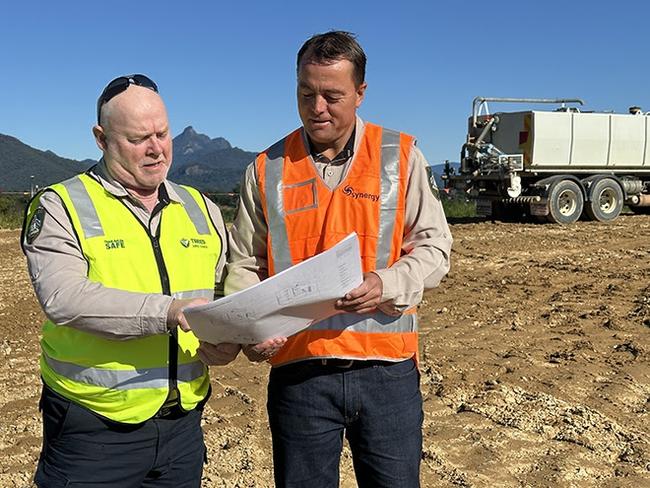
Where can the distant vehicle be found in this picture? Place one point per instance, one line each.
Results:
(555, 165)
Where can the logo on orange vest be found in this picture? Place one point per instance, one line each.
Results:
(351, 192)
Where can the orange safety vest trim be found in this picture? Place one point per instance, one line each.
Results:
(305, 217)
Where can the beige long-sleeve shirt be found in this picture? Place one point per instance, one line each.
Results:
(426, 245)
(58, 272)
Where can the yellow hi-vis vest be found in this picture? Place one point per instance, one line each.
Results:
(129, 380)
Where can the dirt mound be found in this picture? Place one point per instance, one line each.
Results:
(534, 366)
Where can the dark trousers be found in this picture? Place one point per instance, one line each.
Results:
(377, 406)
(81, 449)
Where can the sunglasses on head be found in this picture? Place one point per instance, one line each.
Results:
(120, 84)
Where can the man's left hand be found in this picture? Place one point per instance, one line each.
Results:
(365, 298)
(218, 354)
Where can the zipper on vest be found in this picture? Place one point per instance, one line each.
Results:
(163, 201)
(173, 333)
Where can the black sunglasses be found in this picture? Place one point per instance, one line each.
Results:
(120, 84)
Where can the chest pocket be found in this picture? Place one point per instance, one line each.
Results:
(300, 196)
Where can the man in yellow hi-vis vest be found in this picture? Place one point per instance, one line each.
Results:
(354, 374)
(115, 254)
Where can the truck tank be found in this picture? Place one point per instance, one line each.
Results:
(555, 165)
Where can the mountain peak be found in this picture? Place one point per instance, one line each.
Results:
(191, 146)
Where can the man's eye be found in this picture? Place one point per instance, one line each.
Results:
(162, 135)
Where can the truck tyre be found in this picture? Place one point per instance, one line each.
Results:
(565, 202)
(605, 200)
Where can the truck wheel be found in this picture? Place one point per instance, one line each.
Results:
(605, 200)
(565, 202)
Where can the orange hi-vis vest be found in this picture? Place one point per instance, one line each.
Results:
(305, 217)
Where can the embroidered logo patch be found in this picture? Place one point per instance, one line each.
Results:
(35, 225)
(434, 187)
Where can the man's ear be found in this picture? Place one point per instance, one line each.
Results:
(361, 92)
(100, 137)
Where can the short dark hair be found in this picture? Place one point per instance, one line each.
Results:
(333, 46)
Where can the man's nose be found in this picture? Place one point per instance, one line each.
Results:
(155, 147)
(320, 104)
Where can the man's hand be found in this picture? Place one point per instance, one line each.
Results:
(175, 313)
(264, 350)
(365, 298)
(217, 354)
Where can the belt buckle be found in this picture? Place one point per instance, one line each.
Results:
(345, 365)
(165, 411)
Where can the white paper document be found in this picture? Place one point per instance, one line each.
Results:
(283, 304)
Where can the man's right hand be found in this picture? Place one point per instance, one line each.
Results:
(265, 350)
(175, 316)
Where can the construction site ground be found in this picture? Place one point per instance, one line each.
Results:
(534, 366)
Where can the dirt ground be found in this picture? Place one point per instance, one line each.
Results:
(534, 365)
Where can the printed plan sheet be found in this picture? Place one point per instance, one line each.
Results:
(283, 304)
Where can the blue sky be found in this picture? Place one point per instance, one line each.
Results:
(228, 68)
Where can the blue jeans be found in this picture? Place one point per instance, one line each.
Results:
(85, 450)
(376, 405)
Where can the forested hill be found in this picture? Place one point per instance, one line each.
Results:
(207, 164)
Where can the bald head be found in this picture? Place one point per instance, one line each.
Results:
(134, 137)
(135, 103)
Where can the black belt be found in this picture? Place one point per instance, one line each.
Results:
(170, 412)
(347, 363)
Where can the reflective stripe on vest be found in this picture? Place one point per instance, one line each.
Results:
(286, 167)
(377, 322)
(124, 379)
(273, 189)
(89, 220)
(128, 380)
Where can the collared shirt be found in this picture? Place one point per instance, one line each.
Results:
(325, 164)
(58, 270)
(426, 244)
(331, 170)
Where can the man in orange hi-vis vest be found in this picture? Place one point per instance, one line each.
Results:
(355, 374)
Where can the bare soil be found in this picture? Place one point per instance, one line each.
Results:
(534, 361)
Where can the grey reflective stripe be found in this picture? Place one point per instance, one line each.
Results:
(121, 379)
(207, 293)
(83, 204)
(193, 210)
(389, 193)
(377, 322)
(190, 371)
(275, 207)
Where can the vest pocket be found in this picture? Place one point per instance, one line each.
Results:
(300, 196)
